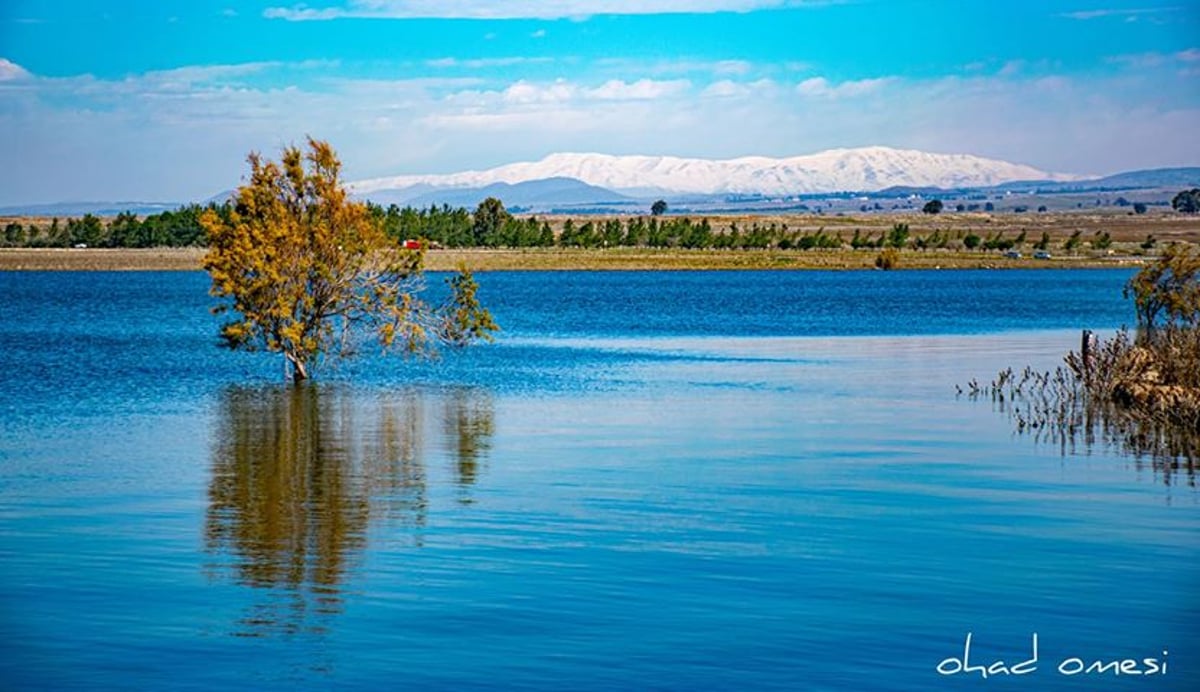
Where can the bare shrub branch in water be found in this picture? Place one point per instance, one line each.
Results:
(1112, 402)
(1139, 395)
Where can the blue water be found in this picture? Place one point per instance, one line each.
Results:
(650, 481)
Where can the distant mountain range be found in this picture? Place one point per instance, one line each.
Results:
(852, 170)
(533, 194)
(1155, 178)
(67, 209)
(583, 182)
(579, 182)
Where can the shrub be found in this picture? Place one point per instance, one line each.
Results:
(888, 259)
(1141, 393)
(1167, 291)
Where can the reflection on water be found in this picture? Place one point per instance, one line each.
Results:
(299, 474)
(468, 424)
(1056, 409)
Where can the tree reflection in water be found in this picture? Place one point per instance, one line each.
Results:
(468, 424)
(1055, 408)
(300, 473)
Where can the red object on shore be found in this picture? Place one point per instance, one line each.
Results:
(412, 245)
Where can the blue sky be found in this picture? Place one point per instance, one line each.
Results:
(162, 100)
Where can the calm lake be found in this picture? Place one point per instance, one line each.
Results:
(692, 481)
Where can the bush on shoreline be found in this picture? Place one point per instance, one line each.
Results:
(1140, 392)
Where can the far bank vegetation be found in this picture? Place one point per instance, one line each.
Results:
(491, 226)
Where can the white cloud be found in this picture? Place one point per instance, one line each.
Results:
(142, 127)
(1139, 60)
(524, 92)
(1092, 126)
(813, 86)
(643, 89)
(1052, 83)
(471, 123)
(484, 63)
(725, 89)
(518, 9)
(1125, 14)
(10, 71)
(729, 89)
(675, 68)
(562, 91)
(819, 87)
(205, 74)
(1150, 60)
(300, 13)
(1011, 68)
(732, 67)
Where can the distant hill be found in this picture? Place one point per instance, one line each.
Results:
(536, 194)
(68, 209)
(221, 197)
(1149, 179)
(1153, 178)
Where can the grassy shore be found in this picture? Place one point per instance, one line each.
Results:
(557, 259)
(71, 259)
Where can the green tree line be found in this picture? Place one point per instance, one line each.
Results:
(178, 228)
(492, 226)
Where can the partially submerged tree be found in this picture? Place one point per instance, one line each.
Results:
(1166, 292)
(304, 271)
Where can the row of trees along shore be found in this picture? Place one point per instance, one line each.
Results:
(492, 226)
(178, 228)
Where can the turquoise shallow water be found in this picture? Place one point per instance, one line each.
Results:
(650, 481)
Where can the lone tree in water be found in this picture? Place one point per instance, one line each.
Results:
(1166, 292)
(304, 271)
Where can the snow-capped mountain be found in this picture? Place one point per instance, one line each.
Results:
(859, 170)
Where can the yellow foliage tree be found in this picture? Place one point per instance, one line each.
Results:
(1167, 290)
(302, 270)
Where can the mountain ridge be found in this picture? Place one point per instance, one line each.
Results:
(533, 193)
(569, 194)
(864, 169)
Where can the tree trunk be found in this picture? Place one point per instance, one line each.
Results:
(299, 371)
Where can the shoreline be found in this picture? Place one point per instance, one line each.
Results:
(559, 259)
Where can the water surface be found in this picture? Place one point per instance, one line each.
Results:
(650, 481)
